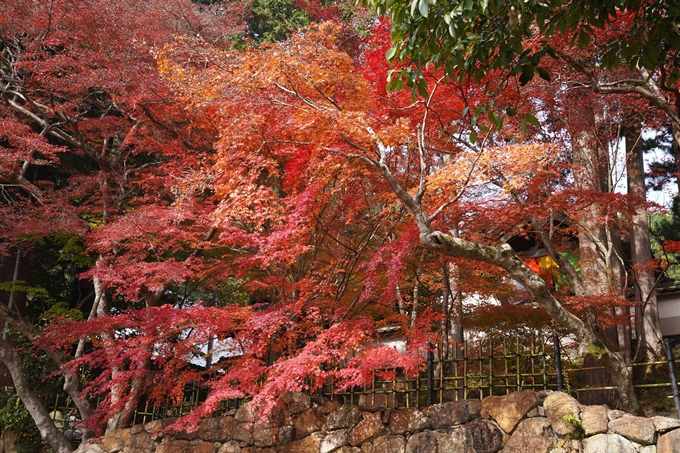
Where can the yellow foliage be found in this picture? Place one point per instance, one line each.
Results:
(508, 166)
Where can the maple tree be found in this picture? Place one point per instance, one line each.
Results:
(279, 201)
(89, 133)
(324, 242)
(621, 49)
(268, 196)
(110, 138)
(365, 135)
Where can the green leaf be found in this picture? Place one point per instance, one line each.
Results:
(414, 5)
(597, 21)
(492, 118)
(543, 73)
(673, 40)
(421, 85)
(626, 50)
(391, 53)
(531, 119)
(423, 8)
(562, 25)
(583, 39)
(510, 111)
(447, 18)
(614, 59)
(473, 137)
(396, 84)
(523, 123)
(524, 78)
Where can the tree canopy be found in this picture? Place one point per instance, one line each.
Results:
(205, 173)
(469, 39)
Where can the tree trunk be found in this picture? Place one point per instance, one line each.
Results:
(452, 327)
(675, 131)
(602, 268)
(72, 384)
(453, 308)
(650, 343)
(114, 422)
(123, 418)
(48, 430)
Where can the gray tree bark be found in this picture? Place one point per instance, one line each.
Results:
(650, 341)
(48, 430)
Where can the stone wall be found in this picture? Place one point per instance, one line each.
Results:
(522, 422)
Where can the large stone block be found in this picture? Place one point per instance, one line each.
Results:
(231, 446)
(614, 414)
(637, 429)
(218, 429)
(665, 424)
(199, 447)
(245, 413)
(408, 420)
(330, 406)
(153, 427)
(184, 435)
(141, 441)
(594, 420)
(445, 415)
(297, 403)
(533, 435)
(115, 441)
(333, 441)
(85, 447)
(608, 443)
(455, 439)
(487, 437)
(423, 442)
(343, 418)
(348, 449)
(286, 434)
(265, 436)
(563, 412)
(669, 443)
(243, 432)
(310, 444)
(367, 429)
(389, 444)
(173, 446)
(509, 410)
(308, 422)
